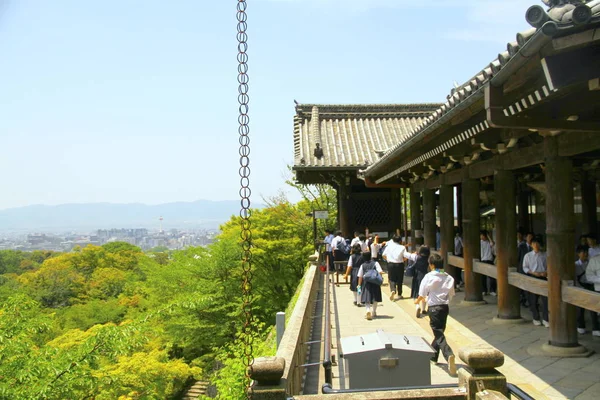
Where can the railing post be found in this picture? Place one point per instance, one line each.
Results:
(279, 326)
(482, 362)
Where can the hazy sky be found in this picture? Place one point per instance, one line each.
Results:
(136, 101)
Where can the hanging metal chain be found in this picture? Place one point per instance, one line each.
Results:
(246, 232)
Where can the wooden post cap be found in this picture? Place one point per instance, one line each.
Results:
(481, 357)
(267, 370)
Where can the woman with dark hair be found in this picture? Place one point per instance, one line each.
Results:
(421, 260)
(354, 263)
(370, 292)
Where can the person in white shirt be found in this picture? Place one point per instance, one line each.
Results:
(328, 252)
(355, 239)
(534, 264)
(438, 288)
(394, 255)
(354, 263)
(487, 256)
(338, 255)
(362, 240)
(592, 242)
(375, 246)
(370, 293)
(581, 281)
(592, 275)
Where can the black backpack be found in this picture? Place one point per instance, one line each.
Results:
(343, 246)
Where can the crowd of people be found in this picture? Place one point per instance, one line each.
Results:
(362, 257)
(431, 289)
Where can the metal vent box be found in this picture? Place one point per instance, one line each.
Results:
(386, 360)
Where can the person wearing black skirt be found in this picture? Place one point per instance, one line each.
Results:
(370, 292)
(421, 269)
(354, 263)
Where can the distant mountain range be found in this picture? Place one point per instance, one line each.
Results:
(197, 214)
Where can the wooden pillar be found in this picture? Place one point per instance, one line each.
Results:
(396, 210)
(344, 211)
(524, 208)
(429, 217)
(471, 241)
(459, 216)
(506, 249)
(560, 224)
(415, 217)
(588, 205)
(405, 216)
(447, 226)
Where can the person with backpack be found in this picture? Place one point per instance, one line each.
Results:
(438, 288)
(341, 249)
(354, 263)
(369, 285)
(420, 269)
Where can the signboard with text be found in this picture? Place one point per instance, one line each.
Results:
(321, 214)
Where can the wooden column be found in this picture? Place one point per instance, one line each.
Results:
(405, 216)
(524, 208)
(415, 217)
(588, 205)
(560, 223)
(447, 226)
(459, 217)
(471, 243)
(344, 211)
(429, 217)
(396, 222)
(506, 249)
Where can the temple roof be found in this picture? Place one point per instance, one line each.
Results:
(561, 20)
(351, 136)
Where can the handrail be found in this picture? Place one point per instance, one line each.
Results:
(327, 342)
(328, 389)
(517, 391)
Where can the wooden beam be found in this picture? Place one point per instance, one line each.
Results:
(528, 283)
(570, 144)
(485, 269)
(494, 106)
(456, 261)
(580, 297)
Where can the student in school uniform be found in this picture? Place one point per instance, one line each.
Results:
(581, 281)
(421, 261)
(438, 288)
(354, 263)
(370, 293)
(394, 255)
(487, 256)
(534, 264)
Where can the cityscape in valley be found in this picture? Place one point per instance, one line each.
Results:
(173, 239)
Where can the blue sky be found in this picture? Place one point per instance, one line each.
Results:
(136, 101)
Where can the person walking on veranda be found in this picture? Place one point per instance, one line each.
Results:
(354, 263)
(438, 288)
(328, 250)
(421, 268)
(370, 293)
(394, 254)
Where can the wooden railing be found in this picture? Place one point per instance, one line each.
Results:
(293, 345)
(571, 294)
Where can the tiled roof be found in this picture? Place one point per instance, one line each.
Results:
(559, 21)
(352, 136)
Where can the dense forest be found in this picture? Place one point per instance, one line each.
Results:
(112, 322)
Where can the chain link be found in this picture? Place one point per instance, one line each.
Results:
(244, 151)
